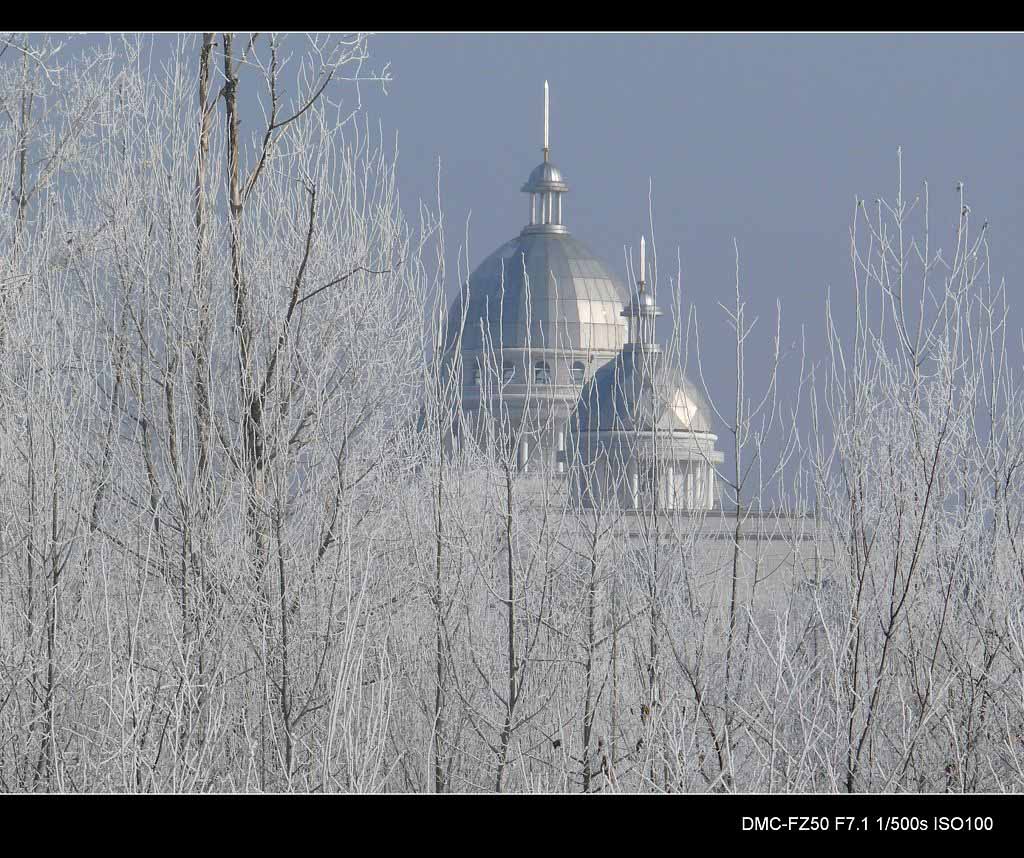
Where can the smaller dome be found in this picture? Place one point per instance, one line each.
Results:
(545, 177)
(642, 303)
(640, 393)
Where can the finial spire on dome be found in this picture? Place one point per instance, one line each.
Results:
(546, 124)
(545, 186)
(641, 311)
(643, 264)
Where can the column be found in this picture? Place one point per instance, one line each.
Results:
(524, 454)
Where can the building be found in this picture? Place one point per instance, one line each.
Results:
(561, 371)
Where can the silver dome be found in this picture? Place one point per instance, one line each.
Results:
(638, 392)
(545, 177)
(642, 302)
(543, 289)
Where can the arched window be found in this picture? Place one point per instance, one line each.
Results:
(542, 372)
(578, 372)
(508, 372)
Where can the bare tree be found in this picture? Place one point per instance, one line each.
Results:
(257, 534)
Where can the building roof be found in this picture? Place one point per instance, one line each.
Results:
(545, 177)
(545, 290)
(638, 392)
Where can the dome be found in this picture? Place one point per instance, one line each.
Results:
(642, 303)
(543, 290)
(623, 397)
(545, 177)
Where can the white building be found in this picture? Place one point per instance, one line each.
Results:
(560, 368)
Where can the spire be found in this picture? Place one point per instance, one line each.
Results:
(643, 264)
(547, 143)
(546, 186)
(642, 311)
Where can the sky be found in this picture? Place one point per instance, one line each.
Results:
(765, 139)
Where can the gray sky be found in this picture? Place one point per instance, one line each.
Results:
(767, 138)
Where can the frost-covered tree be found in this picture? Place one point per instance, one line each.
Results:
(252, 539)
